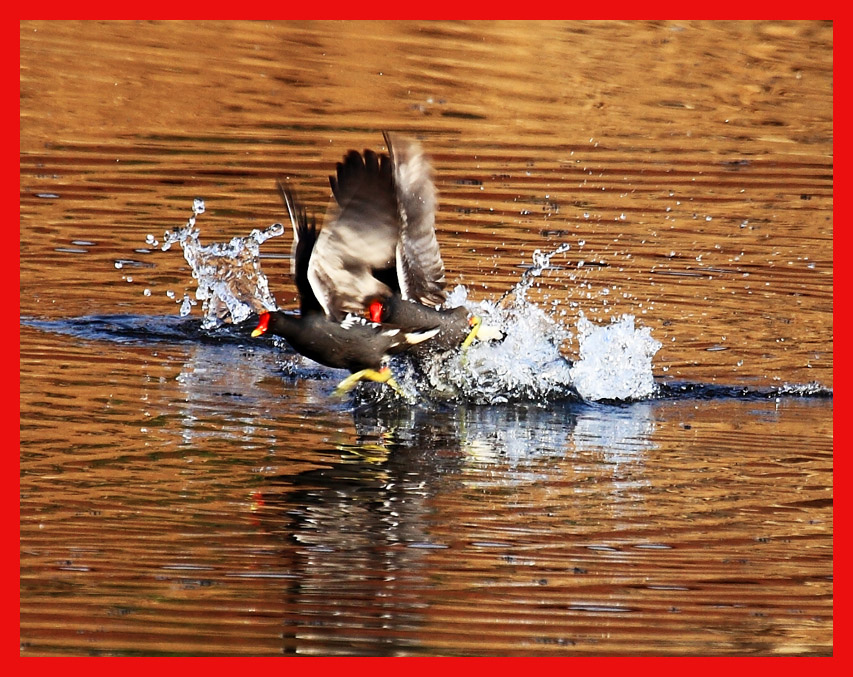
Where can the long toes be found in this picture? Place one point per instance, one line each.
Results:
(347, 384)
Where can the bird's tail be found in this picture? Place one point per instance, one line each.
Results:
(420, 335)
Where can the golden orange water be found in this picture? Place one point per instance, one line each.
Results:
(181, 498)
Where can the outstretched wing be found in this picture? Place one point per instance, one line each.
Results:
(420, 270)
(359, 239)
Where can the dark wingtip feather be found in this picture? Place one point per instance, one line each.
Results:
(355, 170)
(304, 237)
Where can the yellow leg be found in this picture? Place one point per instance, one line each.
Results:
(476, 321)
(381, 376)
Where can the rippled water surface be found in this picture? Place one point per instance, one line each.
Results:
(197, 492)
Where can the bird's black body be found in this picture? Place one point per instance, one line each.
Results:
(454, 324)
(353, 344)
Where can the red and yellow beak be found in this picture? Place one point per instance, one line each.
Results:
(263, 325)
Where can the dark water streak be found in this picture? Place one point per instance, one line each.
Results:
(170, 329)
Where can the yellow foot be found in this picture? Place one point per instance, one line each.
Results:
(481, 332)
(381, 376)
(475, 322)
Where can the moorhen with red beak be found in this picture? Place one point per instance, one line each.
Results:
(378, 253)
(352, 342)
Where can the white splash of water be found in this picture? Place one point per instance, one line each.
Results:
(615, 360)
(526, 365)
(231, 285)
(529, 365)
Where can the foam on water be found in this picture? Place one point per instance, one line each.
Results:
(525, 365)
(615, 360)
